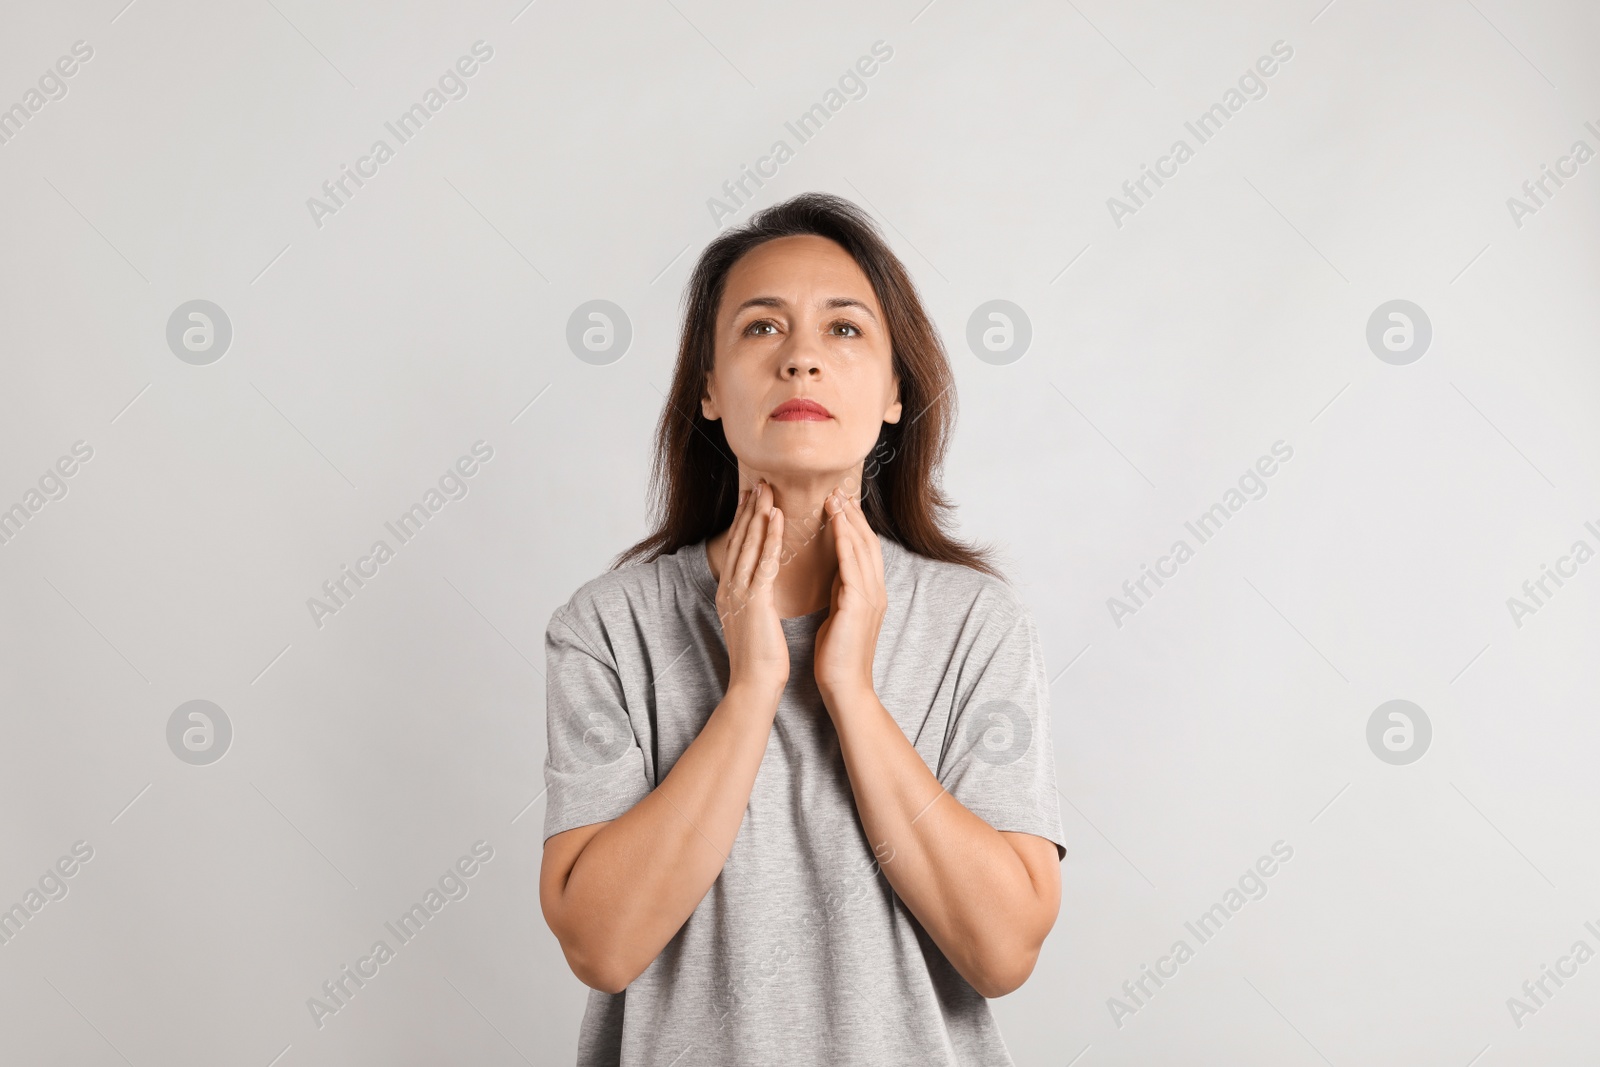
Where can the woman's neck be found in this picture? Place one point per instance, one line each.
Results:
(807, 562)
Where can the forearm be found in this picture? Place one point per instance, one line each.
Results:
(642, 875)
(959, 876)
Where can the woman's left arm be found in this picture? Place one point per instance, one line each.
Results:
(986, 897)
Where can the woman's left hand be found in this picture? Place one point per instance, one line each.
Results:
(848, 638)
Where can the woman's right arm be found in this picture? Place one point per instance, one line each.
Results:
(614, 893)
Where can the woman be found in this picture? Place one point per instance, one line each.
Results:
(802, 800)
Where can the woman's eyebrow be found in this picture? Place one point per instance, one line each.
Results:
(848, 302)
(831, 303)
(759, 302)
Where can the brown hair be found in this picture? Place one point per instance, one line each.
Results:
(694, 477)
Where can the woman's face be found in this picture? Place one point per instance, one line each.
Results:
(803, 378)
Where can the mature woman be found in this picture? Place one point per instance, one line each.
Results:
(802, 801)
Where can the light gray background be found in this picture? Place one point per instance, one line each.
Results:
(1167, 355)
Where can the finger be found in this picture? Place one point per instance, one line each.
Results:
(740, 591)
(726, 606)
(767, 568)
(736, 532)
(869, 563)
(853, 512)
(845, 545)
(869, 538)
(755, 534)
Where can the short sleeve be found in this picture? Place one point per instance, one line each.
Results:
(999, 760)
(594, 769)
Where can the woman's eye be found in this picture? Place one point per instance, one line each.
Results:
(851, 329)
(757, 327)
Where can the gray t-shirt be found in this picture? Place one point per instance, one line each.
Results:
(800, 952)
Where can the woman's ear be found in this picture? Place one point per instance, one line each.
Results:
(708, 404)
(893, 413)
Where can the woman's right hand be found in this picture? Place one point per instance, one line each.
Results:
(758, 654)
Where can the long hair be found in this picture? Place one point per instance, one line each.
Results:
(694, 487)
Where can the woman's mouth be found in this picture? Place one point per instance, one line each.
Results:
(800, 409)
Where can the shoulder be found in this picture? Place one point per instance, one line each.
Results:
(634, 591)
(950, 590)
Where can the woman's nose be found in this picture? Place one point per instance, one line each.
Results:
(802, 361)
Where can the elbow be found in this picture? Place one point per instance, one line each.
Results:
(1003, 961)
(598, 970)
(597, 973)
(607, 981)
(1002, 983)
(600, 967)
(1004, 972)
(591, 960)
(596, 942)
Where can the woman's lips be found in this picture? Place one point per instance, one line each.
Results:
(800, 409)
